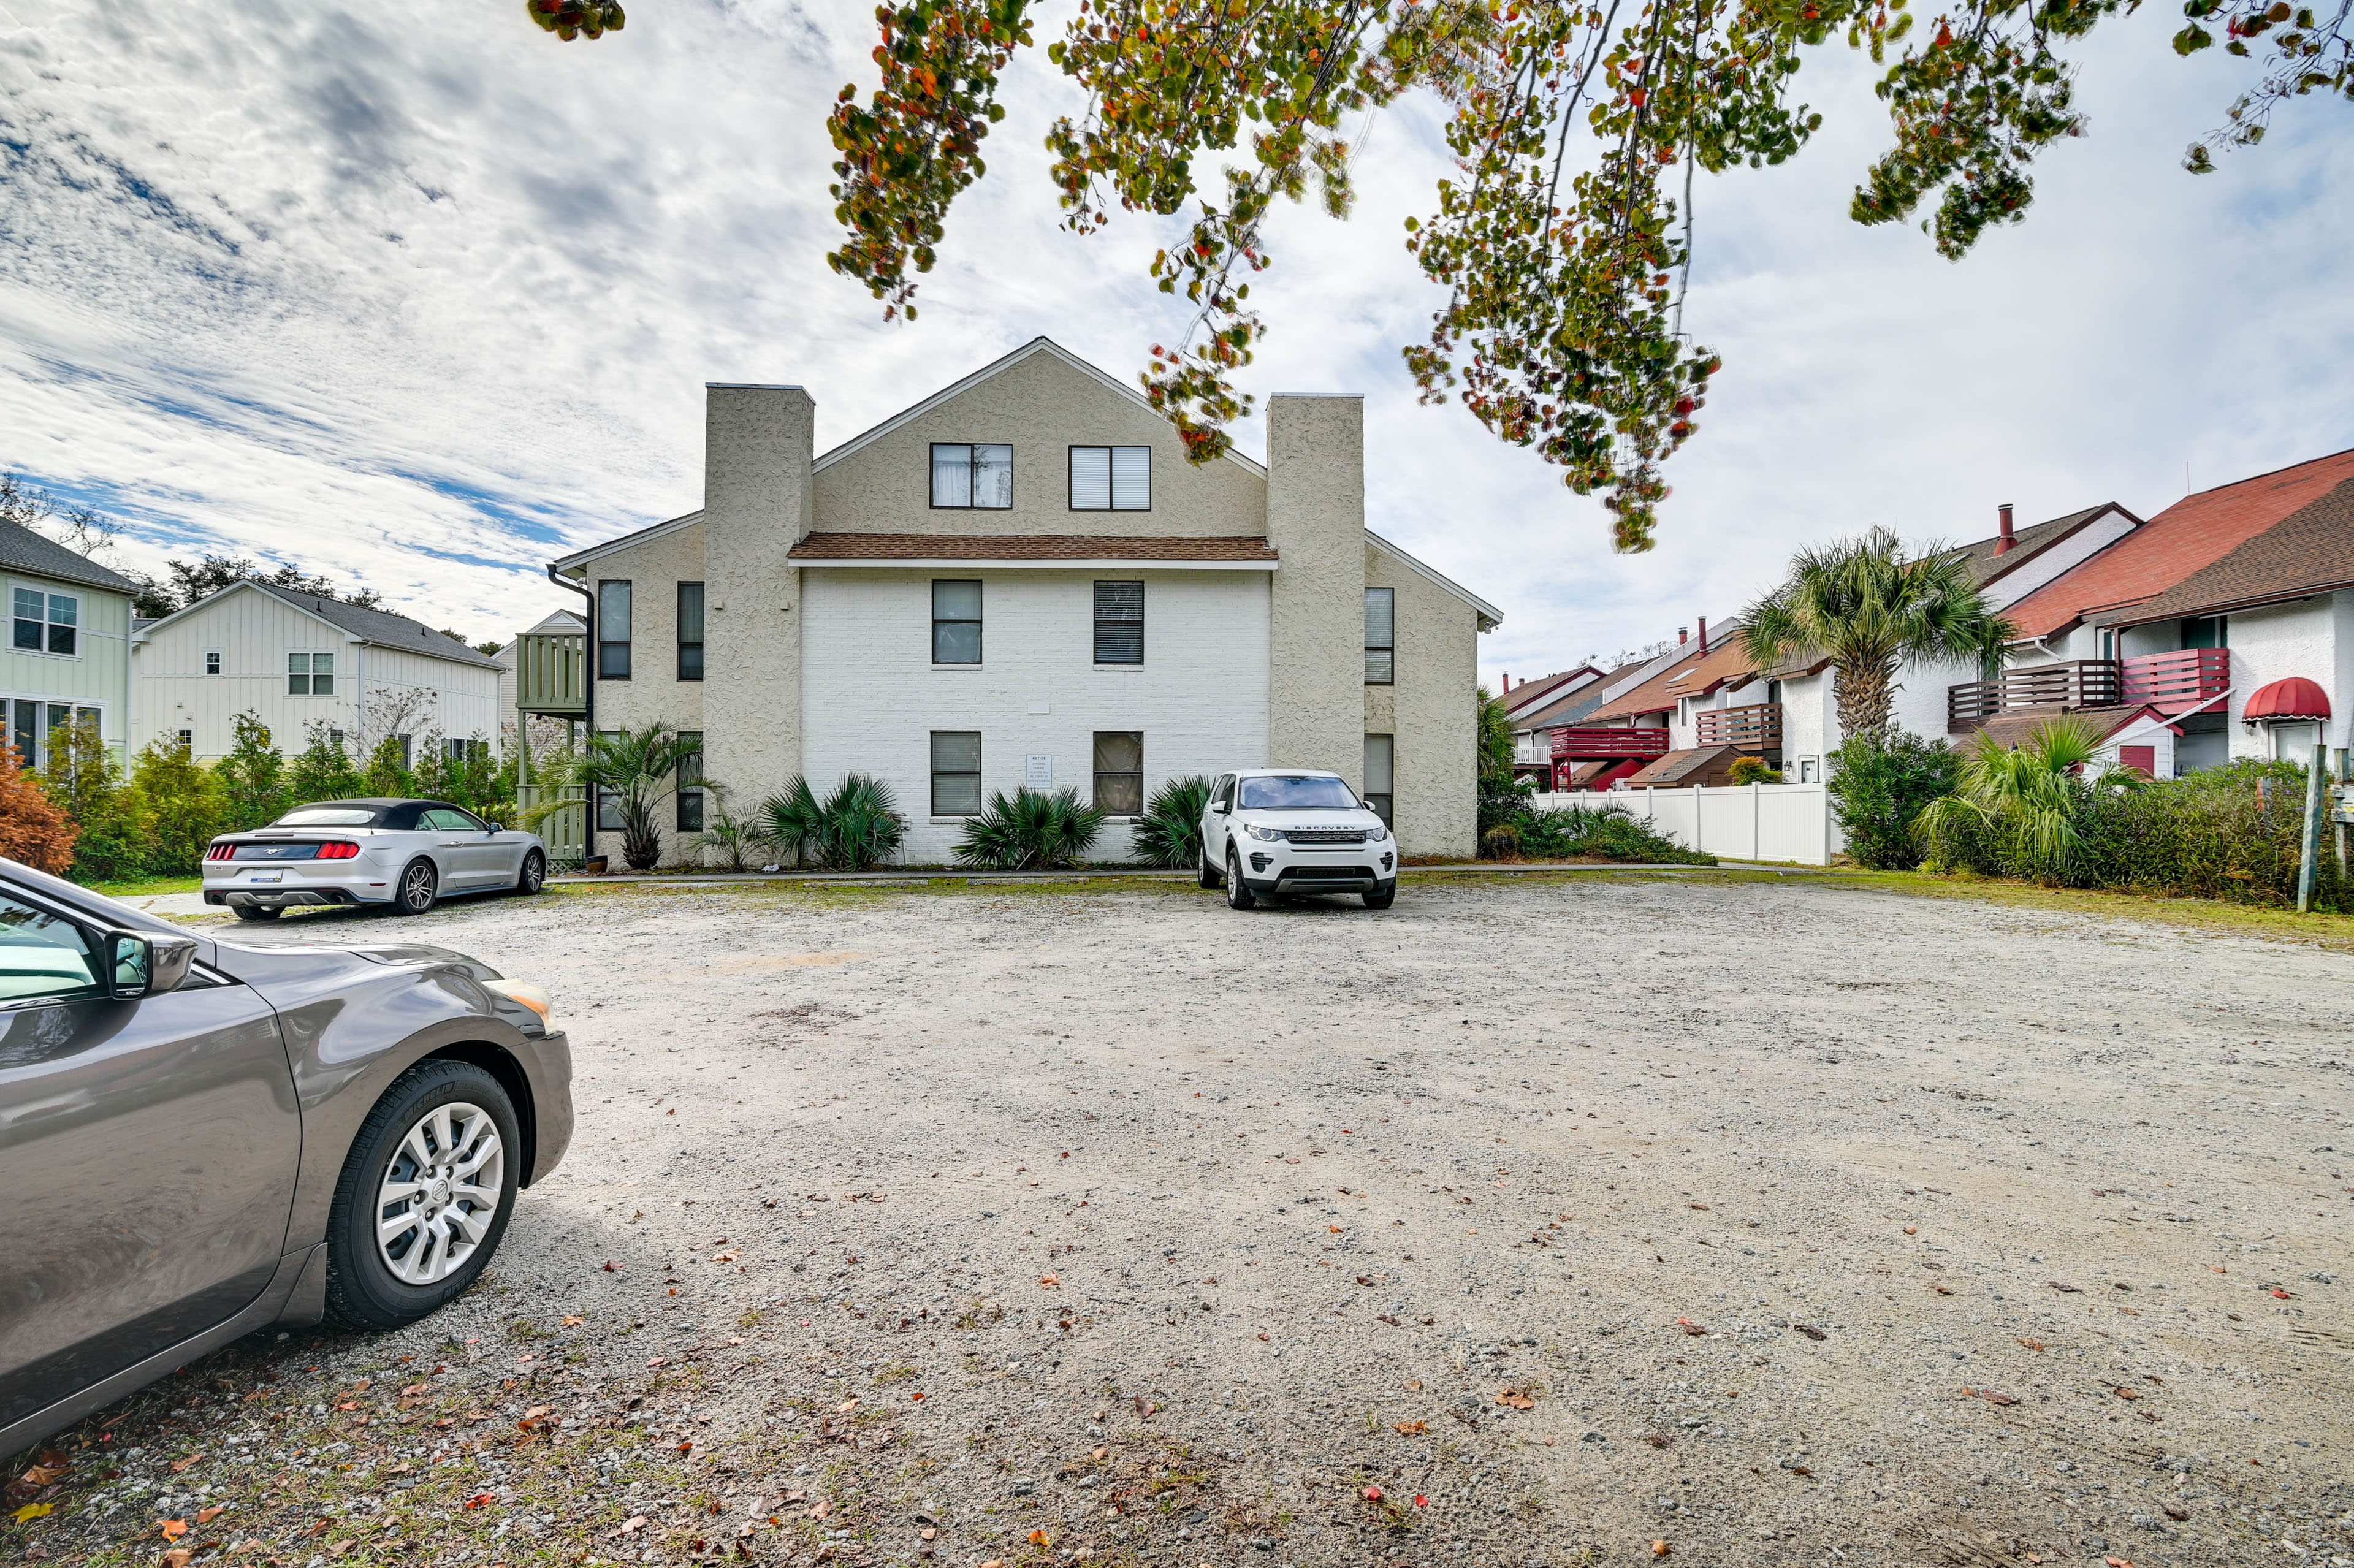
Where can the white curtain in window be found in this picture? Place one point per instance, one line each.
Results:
(1090, 479)
(1131, 478)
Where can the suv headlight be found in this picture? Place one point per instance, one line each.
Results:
(1377, 832)
(1264, 835)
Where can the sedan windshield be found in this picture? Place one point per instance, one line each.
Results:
(1296, 793)
(330, 817)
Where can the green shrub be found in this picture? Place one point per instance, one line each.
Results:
(1170, 833)
(1879, 785)
(736, 839)
(1501, 841)
(323, 769)
(1031, 831)
(851, 829)
(184, 800)
(1754, 771)
(252, 777)
(118, 830)
(1503, 799)
(1603, 830)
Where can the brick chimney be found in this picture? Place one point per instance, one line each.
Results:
(1683, 635)
(1703, 634)
(2009, 540)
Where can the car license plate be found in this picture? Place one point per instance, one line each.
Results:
(266, 876)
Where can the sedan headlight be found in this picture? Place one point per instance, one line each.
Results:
(528, 995)
(1264, 835)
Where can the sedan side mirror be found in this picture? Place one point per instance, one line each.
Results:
(140, 963)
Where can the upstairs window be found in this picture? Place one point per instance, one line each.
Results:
(690, 631)
(1381, 637)
(310, 674)
(47, 622)
(956, 622)
(1119, 772)
(976, 474)
(212, 664)
(1120, 623)
(1111, 479)
(613, 619)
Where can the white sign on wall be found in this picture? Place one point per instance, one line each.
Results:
(1038, 771)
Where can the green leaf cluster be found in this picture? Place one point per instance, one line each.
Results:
(1169, 832)
(1029, 831)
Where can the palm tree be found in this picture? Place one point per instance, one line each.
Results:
(638, 768)
(1496, 740)
(1866, 605)
(2028, 794)
(850, 829)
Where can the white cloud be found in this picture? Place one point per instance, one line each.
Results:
(420, 298)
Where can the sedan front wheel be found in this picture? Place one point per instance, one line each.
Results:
(424, 1196)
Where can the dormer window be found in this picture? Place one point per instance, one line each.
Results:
(972, 474)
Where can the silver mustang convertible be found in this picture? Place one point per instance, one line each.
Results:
(401, 854)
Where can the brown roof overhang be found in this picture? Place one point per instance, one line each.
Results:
(840, 549)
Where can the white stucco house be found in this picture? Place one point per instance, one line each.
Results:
(1020, 580)
(299, 661)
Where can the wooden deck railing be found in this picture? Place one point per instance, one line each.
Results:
(2172, 682)
(1600, 742)
(1755, 727)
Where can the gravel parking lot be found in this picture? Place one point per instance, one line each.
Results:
(1743, 1220)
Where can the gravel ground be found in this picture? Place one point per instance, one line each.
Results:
(1735, 1220)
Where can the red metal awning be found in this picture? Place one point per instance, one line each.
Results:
(2295, 697)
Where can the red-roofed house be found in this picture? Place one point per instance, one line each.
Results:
(2230, 612)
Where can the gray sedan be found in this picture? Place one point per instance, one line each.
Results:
(201, 1139)
(400, 855)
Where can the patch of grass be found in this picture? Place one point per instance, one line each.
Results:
(148, 886)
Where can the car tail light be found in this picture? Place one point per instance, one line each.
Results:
(221, 852)
(338, 850)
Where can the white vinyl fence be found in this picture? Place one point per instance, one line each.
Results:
(1745, 822)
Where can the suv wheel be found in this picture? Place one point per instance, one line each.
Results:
(419, 885)
(535, 874)
(1209, 875)
(1383, 899)
(424, 1196)
(1238, 892)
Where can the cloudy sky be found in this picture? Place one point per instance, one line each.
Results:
(419, 297)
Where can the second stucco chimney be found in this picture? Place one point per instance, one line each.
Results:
(2009, 540)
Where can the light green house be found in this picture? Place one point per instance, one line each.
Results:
(69, 648)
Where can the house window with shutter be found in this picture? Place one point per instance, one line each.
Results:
(1111, 479)
(956, 773)
(1120, 623)
(1381, 637)
(690, 631)
(977, 475)
(1119, 772)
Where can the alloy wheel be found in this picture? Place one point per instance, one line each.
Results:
(417, 888)
(439, 1193)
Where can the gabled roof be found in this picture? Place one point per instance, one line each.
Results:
(1683, 766)
(1490, 616)
(2309, 551)
(377, 627)
(2008, 730)
(1530, 694)
(638, 536)
(1987, 565)
(1727, 662)
(1572, 707)
(2181, 541)
(1036, 346)
(1654, 695)
(38, 555)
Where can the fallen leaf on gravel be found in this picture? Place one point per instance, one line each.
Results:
(179, 1557)
(481, 1500)
(1411, 1428)
(635, 1522)
(2033, 1345)
(1388, 1317)
(206, 1515)
(610, 1268)
(1943, 1290)
(1517, 1399)
(573, 1320)
(179, 1465)
(2116, 1562)
(1990, 1396)
(2281, 1295)
(1050, 1280)
(1372, 1494)
(1689, 1326)
(1702, 1207)
(32, 1510)
(1911, 1230)
(2217, 1267)
(1810, 1331)
(1660, 1549)
(820, 1508)
(730, 1255)
(1040, 1537)
(1420, 1500)
(39, 1476)
(847, 1407)
(2176, 1515)
(2126, 1393)
(927, 1532)
(2072, 1290)
(319, 1529)
(175, 1528)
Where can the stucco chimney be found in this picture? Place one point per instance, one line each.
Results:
(1316, 522)
(2009, 541)
(758, 443)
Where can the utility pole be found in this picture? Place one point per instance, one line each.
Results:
(2308, 858)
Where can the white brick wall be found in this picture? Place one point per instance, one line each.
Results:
(871, 696)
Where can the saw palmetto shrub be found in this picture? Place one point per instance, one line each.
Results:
(1169, 832)
(1029, 831)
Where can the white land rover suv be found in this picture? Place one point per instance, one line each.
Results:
(1274, 830)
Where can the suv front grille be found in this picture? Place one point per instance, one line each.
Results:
(1336, 837)
(1327, 873)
